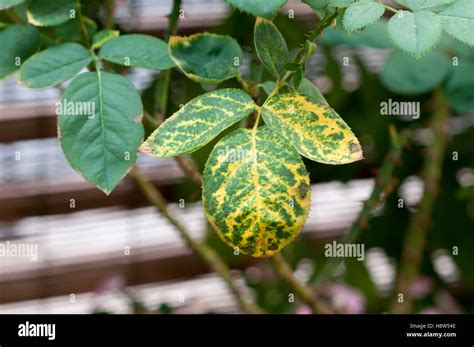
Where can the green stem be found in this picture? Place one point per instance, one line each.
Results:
(207, 254)
(384, 185)
(172, 27)
(82, 27)
(109, 7)
(415, 239)
(300, 57)
(284, 272)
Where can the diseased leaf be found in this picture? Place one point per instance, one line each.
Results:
(198, 122)
(9, 3)
(103, 36)
(256, 191)
(206, 58)
(432, 5)
(50, 12)
(407, 75)
(100, 144)
(271, 47)
(54, 65)
(266, 9)
(137, 50)
(460, 88)
(361, 14)
(458, 21)
(17, 42)
(314, 129)
(415, 33)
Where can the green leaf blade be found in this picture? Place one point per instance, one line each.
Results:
(4, 4)
(137, 50)
(17, 43)
(362, 14)
(256, 191)
(101, 145)
(266, 9)
(271, 47)
(198, 122)
(314, 129)
(54, 65)
(432, 5)
(416, 33)
(406, 75)
(206, 58)
(458, 21)
(103, 36)
(50, 12)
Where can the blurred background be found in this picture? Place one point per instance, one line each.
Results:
(115, 254)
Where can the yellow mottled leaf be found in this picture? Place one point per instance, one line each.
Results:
(256, 191)
(313, 128)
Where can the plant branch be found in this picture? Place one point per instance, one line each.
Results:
(207, 254)
(384, 185)
(301, 57)
(189, 168)
(415, 239)
(284, 272)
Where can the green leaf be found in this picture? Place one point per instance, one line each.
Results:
(17, 42)
(404, 74)
(415, 33)
(323, 4)
(9, 3)
(314, 129)
(308, 89)
(54, 65)
(103, 36)
(271, 47)
(206, 58)
(432, 5)
(458, 21)
(256, 191)
(102, 147)
(198, 122)
(266, 9)
(361, 14)
(460, 88)
(51, 12)
(137, 50)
